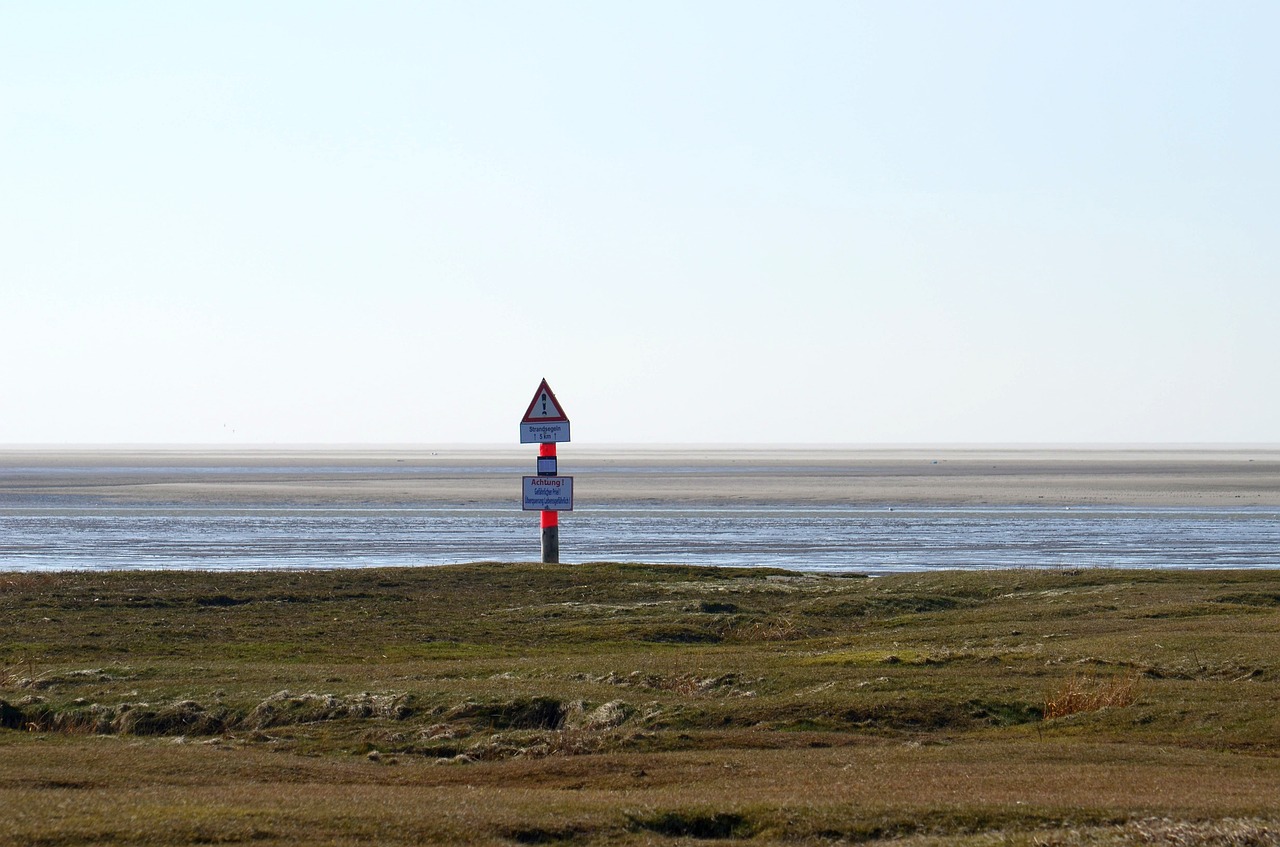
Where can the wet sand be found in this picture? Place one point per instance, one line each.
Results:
(815, 476)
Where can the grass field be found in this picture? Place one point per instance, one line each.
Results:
(606, 703)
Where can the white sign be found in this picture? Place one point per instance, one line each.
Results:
(544, 421)
(535, 433)
(548, 494)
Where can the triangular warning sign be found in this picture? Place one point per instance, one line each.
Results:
(544, 408)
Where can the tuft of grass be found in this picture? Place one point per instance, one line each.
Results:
(1086, 694)
(14, 675)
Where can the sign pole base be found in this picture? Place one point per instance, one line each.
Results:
(550, 543)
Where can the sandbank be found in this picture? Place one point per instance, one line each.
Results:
(684, 476)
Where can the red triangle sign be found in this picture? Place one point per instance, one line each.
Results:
(544, 408)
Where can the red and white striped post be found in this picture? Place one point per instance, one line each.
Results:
(550, 517)
(544, 424)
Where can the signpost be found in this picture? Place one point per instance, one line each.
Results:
(545, 424)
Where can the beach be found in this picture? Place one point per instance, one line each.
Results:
(813, 476)
(809, 509)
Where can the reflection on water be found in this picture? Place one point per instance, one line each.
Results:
(48, 537)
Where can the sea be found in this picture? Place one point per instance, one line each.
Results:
(128, 515)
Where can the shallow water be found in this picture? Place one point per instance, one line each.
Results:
(53, 536)
(810, 509)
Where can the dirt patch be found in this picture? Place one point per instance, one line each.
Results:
(697, 824)
(524, 713)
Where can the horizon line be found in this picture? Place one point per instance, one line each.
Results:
(215, 446)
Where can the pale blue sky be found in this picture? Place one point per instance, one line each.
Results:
(701, 222)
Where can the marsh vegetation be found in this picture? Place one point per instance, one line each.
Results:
(500, 703)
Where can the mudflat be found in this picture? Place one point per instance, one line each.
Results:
(1154, 477)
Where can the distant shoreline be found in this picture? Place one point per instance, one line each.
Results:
(1154, 475)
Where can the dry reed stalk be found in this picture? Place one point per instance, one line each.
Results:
(1086, 694)
(15, 673)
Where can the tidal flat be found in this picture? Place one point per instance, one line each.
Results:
(820, 509)
(599, 703)
(620, 475)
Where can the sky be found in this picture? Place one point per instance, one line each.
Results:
(702, 222)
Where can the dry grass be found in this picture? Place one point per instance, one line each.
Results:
(1087, 694)
(115, 791)
(17, 672)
